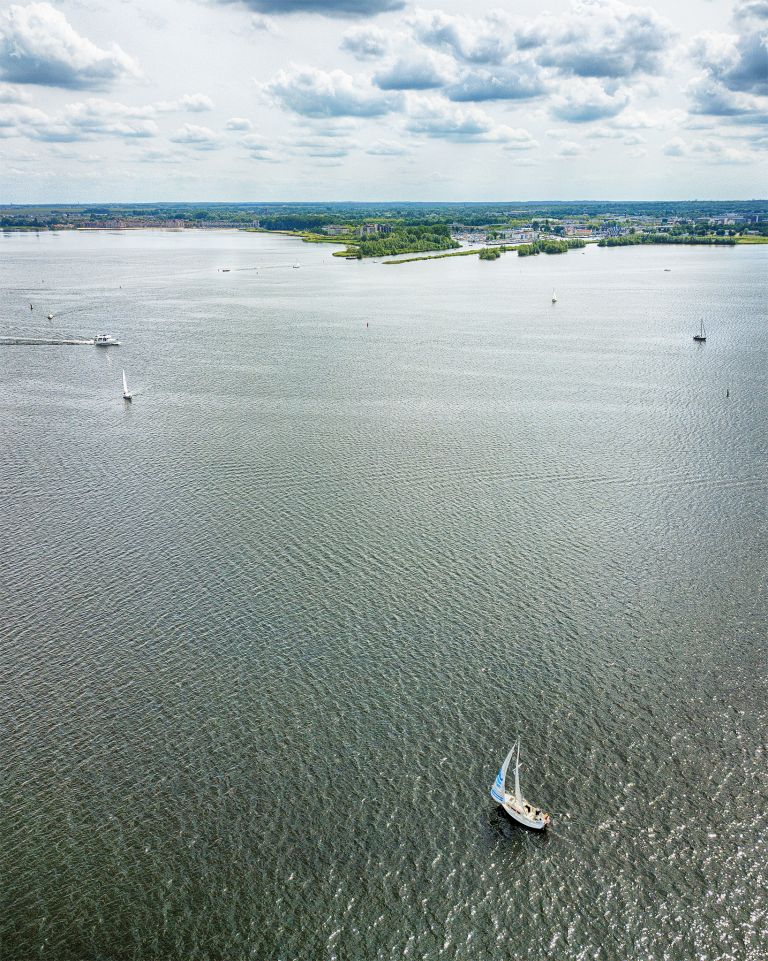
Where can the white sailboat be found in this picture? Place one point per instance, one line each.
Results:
(515, 804)
(702, 334)
(554, 296)
(127, 395)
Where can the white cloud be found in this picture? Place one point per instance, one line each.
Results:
(238, 123)
(487, 39)
(9, 94)
(200, 138)
(319, 93)
(416, 70)
(266, 24)
(587, 100)
(366, 43)
(569, 148)
(38, 46)
(387, 148)
(440, 118)
(600, 38)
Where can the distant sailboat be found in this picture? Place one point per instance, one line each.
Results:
(127, 395)
(515, 804)
(702, 334)
(554, 297)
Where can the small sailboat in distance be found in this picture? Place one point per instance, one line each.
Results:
(515, 804)
(127, 395)
(702, 334)
(554, 296)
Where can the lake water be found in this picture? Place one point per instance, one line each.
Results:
(268, 632)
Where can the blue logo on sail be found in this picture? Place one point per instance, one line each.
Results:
(497, 791)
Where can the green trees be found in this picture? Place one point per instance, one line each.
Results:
(549, 247)
(634, 239)
(489, 253)
(406, 240)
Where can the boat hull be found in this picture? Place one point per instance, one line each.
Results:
(535, 824)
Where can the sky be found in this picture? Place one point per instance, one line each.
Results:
(374, 100)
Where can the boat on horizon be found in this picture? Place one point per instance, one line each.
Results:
(105, 340)
(127, 395)
(515, 804)
(702, 334)
(554, 296)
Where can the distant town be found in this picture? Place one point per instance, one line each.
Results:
(372, 230)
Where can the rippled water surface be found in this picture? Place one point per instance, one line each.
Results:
(268, 632)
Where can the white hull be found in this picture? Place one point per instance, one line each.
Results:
(525, 815)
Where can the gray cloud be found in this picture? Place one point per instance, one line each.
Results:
(319, 93)
(39, 46)
(325, 8)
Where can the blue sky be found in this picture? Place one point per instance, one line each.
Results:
(382, 99)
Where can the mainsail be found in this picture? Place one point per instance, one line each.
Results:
(498, 789)
(125, 384)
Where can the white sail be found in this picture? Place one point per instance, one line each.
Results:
(499, 785)
(125, 385)
(518, 793)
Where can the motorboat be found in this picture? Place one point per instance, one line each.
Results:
(515, 804)
(106, 340)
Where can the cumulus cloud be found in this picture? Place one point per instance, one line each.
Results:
(319, 93)
(600, 38)
(195, 102)
(436, 117)
(416, 70)
(519, 82)
(482, 40)
(190, 102)
(569, 148)
(87, 120)
(39, 46)
(200, 138)
(588, 100)
(238, 123)
(710, 151)
(366, 43)
(326, 8)
(734, 78)
(258, 149)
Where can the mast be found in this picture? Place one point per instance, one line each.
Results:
(518, 795)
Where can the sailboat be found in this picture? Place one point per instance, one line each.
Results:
(702, 334)
(127, 395)
(554, 297)
(515, 804)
